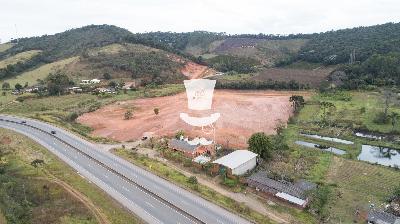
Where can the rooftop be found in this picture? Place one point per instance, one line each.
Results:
(236, 158)
(264, 183)
(381, 217)
(182, 145)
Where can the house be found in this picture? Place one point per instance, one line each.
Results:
(92, 81)
(85, 82)
(75, 89)
(294, 193)
(106, 90)
(381, 217)
(95, 81)
(238, 162)
(187, 149)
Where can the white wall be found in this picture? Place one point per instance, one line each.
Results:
(242, 169)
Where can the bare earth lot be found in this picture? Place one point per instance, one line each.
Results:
(242, 113)
(312, 77)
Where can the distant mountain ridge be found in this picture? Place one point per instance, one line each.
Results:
(244, 53)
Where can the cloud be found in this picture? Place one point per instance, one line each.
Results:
(32, 18)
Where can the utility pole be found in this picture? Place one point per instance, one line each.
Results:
(16, 33)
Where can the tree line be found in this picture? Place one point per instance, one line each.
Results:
(269, 84)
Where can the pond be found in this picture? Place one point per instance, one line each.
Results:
(338, 140)
(380, 155)
(317, 146)
(369, 136)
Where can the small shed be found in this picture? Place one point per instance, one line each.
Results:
(238, 162)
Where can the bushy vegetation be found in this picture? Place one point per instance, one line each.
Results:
(334, 47)
(227, 63)
(377, 70)
(57, 83)
(153, 67)
(15, 69)
(265, 146)
(253, 84)
(70, 42)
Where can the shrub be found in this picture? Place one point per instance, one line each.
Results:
(192, 180)
(72, 117)
(230, 182)
(381, 118)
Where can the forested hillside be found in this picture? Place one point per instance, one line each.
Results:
(70, 42)
(243, 53)
(334, 47)
(128, 61)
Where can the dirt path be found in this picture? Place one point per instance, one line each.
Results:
(249, 199)
(100, 217)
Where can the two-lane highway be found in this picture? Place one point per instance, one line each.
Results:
(150, 197)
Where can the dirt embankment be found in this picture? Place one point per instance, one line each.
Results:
(242, 114)
(195, 71)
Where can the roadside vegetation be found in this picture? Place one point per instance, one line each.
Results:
(63, 110)
(36, 187)
(191, 184)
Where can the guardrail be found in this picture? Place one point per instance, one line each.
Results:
(154, 195)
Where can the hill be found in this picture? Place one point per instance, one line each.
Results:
(202, 45)
(334, 47)
(70, 42)
(164, 56)
(18, 58)
(127, 61)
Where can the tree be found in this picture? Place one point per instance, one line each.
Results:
(18, 87)
(112, 84)
(179, 134)
(156, 111)
(5, 85)
(326, 107)
(57, 83)
(128, 115)
(297, 102)
(107, 76)
(393, 117)
(388, 97)
(35, 163)
(260, 143)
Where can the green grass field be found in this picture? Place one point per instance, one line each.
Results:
(41, 72)
(355, 184)
(20, 57)
(56, 205)
(358, 185)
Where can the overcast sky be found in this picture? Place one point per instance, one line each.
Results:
(24, 18)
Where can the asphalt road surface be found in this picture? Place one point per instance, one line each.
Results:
(153, 199)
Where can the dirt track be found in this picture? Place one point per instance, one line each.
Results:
(242, 113)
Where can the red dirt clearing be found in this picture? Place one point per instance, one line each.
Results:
(195, 71)
(242, 114)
